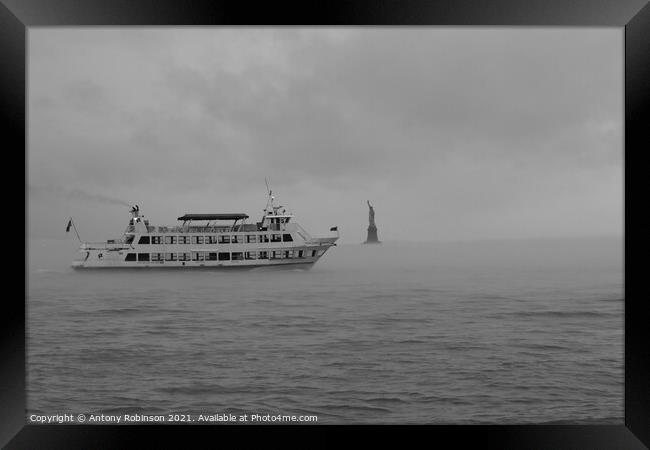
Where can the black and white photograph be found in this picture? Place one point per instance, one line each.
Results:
(325, 225)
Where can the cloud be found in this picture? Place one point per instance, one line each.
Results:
(464, 128)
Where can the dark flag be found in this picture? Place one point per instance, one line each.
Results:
(334, 229)
(67, 229)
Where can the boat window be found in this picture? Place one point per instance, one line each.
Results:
(143, 256)
(287, 238)
(224, 239)
(300, 254)
(130, 257)
(143, 240)
(129, 239)
(197, 256)
(170, 256)
(237, 256)
(212, 256)
(170, 239)
(224, 256)
(264, 238)
(313, 253)
(210, 239)
(156, 240)
(251, 238)
(250, 255)
(263, 255)
(276, 238)
(236, 240)
(183, 256)
(183, 239)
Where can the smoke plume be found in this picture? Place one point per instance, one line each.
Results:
(76, 194)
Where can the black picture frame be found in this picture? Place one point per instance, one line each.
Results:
(632, 15)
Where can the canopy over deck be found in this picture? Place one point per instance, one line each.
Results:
(235, 216)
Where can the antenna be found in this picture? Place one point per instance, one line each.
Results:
(271, 198)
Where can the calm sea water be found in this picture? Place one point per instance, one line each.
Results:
(497, 332)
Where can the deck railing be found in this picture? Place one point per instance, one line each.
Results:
(203, 229)
(117, 244)
(246, 227)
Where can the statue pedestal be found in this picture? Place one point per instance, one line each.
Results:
(372, 235)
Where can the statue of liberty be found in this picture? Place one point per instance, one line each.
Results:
(372, 228)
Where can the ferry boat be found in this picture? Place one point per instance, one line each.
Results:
(205, 241)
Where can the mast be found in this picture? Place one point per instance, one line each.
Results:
(269, 208)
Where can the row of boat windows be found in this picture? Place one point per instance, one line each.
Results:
(221, 239)
(222, 256)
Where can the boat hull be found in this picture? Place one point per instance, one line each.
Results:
(280, 266)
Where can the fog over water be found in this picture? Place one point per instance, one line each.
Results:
(492, 157)
(586, 253)
(485, 332)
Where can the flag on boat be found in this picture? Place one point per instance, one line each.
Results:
(334, 228)
(67, 229)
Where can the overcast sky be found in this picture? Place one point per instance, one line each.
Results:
(451, 133)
